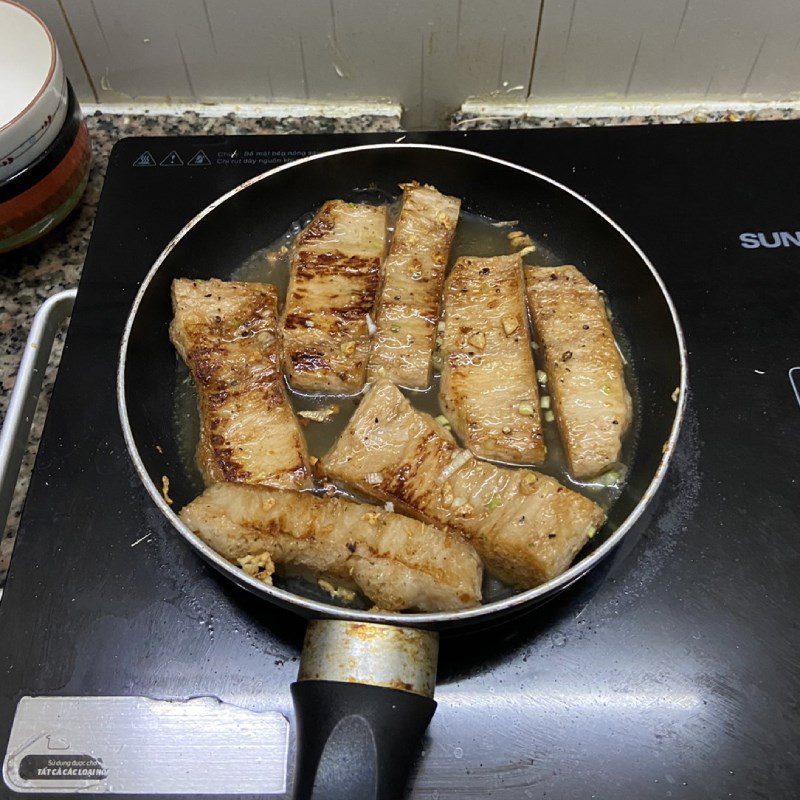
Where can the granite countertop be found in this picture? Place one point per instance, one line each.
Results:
(29, 276)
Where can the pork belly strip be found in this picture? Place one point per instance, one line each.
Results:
(396, 562)
(334, 283)
(584, 368)
(526, 527)
(226, 332)
(488, 389)
(413, 274)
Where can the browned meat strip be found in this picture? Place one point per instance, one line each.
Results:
(333, 285)
(584, 368)
(526, 527)
(397, 562)
(488, 389)
(414, 271)
(226, 332)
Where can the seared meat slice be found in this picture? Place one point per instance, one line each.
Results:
(488, 389)
(526, 527)
(584, 368)
(413, 275)
(226, 332)
(397, 562)
(333, 285)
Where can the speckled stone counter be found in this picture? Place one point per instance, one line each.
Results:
(29, 276)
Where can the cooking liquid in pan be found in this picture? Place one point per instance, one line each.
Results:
(475, 236)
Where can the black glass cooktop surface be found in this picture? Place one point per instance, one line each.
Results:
(672, 671)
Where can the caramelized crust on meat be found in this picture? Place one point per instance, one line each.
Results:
(488, 389)
(526, 527)
(396, 562)
(414, 271)
(585, 372)
(334, 283)
(226, 332)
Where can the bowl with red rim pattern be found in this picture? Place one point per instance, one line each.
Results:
(45, 151)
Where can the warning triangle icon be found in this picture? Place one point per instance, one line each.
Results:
(199, 159)
(172, 159)
(145, 160)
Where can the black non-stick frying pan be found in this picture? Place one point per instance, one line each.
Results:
(364, 694)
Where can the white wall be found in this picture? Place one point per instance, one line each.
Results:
(429, 55)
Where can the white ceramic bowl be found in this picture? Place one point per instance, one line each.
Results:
(33, 88)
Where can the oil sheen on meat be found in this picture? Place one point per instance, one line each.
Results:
(413, 274)
(334, 282)
(526, 527)
(585, 371)
(488, 390)
(396, 562)
(226, 332)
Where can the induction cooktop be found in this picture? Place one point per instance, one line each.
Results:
(128, 666)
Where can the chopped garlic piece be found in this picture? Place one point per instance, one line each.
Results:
(319, 414)
(457, 461)
(339, 593)
(510, 324)
(520, 239)
(528, 483)
(165, 489)
(258, 566)
(447, 495)
(478, 340)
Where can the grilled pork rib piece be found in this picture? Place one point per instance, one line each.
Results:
(226, 332)
(334, 283)
(585, 371)
(526, 527)
(396, 562)
(488, 389)
(414, 271)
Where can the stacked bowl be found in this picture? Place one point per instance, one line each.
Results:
(45, 151)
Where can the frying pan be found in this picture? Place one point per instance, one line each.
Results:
(364, 694)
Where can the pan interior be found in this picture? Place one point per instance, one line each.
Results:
(233, 242)
(475, 236)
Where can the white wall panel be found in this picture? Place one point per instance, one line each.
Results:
(53, 17)
(427, 54)
(667, 49)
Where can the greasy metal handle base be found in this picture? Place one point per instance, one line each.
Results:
(356, 742)
(363, 699)
(22, 404)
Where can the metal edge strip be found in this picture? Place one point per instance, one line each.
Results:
(412, 619)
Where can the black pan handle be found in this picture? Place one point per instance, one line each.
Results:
(362, 702)
(356, 741)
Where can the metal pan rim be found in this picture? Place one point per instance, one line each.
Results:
(430, 619)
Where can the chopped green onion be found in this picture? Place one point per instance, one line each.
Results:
(443, 421)
(591, 531)
(609, 478)
(495, 502)
(549, 416)
(541, 376)
(526, 409)
(545, 401)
